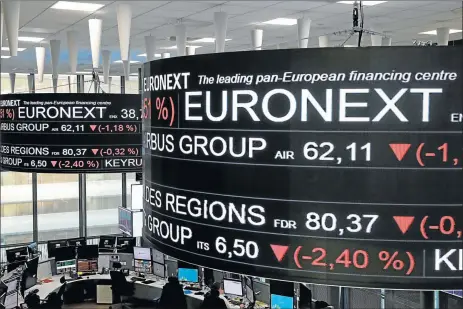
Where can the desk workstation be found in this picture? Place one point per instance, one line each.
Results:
(86, 271)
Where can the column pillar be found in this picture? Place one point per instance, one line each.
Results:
(124, 175)
(124, 23)
(40, 57)
(256, 38)
(190, 50)
(95, 27)
(180, 34)
(31, 82)
(386, 41)
(376, 40)
(82, 180)
(106, 55)
(323, 41)
(12, 81)
(11, 17)
(443, 35)
(72, 49)
(303, 31)
(150, 47)
(165, 55)
(126, 65)
(220, 23)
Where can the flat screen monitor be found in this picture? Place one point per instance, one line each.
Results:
(305, 295)
(140, 253)
(136, 196)
(125, 221)
(233, 287)
(44, 270)
(281, 294)
(17, 254)
(125, 244)
(79, 241)
(107, 243)
(143, 266)
(159, 270)
(157, 256)
(87, 266)
(188, 275)
(52, 245)
(104, 261)
(29, 277)
(65, 253)
(281, 301)
(250, 294)
(87, 252)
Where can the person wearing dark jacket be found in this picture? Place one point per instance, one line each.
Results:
(212, 299)
(172, 296)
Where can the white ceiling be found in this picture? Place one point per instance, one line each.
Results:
(402, 20)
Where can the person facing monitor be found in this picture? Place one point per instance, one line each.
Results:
(212, 299)
(172, 296)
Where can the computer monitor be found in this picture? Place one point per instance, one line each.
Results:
(52, 245)
(250, 294)
(157, 256)
(85, 266)
(44, 270)
(281, 295)
(159, 270)
(143, 266)
(125, 244)
(188, 275)
(233, 287)
(65, 253)
(29, 276)
(305, 295)
(78, 241)
(87, 252)
(17, 254)
(107, 243)
(140, 253)
(104, 261)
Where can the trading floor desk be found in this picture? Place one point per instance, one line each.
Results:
(142, 291)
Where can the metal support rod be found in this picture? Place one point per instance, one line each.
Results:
(124, 175)
(82, 180)
(35, 207)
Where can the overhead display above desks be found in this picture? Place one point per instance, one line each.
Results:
(333, 166)
(70, 133)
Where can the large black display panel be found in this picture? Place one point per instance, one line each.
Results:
(333, 166)
(70, 133)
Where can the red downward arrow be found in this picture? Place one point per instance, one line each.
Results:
(95, 151)
(404, 222)
(279, 251)
(400, 150)
(53, 163)
(93, 127)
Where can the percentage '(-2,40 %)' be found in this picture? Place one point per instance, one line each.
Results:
(165, 109)
(350, 258)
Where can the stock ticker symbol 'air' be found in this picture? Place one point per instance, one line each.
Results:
(400, 150)
(279, 251)
(404, 222)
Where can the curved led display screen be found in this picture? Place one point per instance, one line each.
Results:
(332, 166)
(70, 133)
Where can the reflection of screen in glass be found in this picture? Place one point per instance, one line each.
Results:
(232, 287)
(281, 302)
(158, 270)
(140, 253)
(249, 294)
(188, 274)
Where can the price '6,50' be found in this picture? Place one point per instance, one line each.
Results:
(240, 248)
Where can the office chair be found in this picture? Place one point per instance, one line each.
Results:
(55, 300)
(121, 289)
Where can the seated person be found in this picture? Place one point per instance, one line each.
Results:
(319, 304)
(212, 299)
(172, 296)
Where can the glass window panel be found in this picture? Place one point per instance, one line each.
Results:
(130, 181)
(16, 208)
(58, 206)
(104, 196)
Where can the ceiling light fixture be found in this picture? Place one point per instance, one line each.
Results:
(6, 48)
(5, 57)
(144, 55)
(434, 32)
(281, 21)
(131, 61)
(77, 6)
(365, 3)
(206, 40)
(30, 39)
